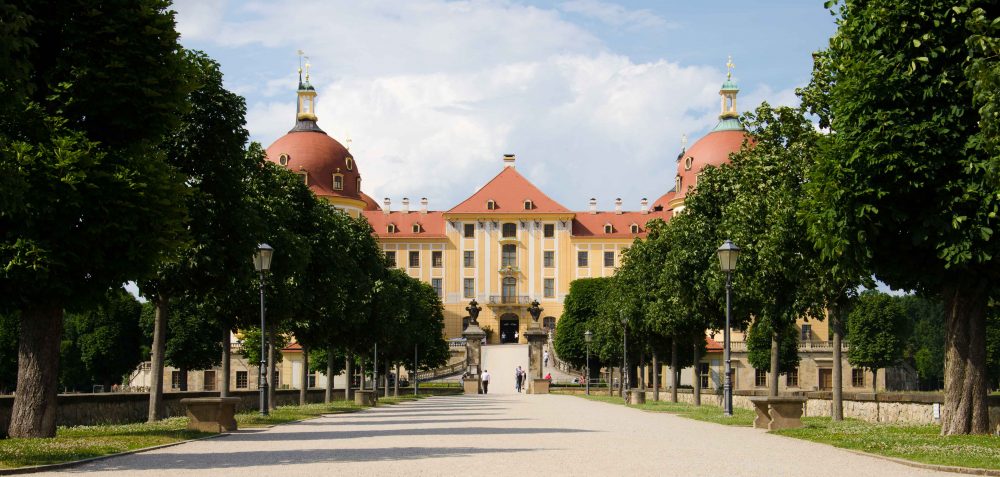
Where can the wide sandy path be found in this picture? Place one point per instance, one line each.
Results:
(549, 435)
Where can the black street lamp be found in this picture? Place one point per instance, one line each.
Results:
(625, 372)
(728, 254)
(262, 263)
(587, 338)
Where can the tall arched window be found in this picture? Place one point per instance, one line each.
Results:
(509, 291)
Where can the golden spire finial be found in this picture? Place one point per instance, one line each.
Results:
(684, 141)
(300, 53)
(307, 68)
(348, 142)
(730, 66)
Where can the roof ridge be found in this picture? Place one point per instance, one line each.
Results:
(534, 190)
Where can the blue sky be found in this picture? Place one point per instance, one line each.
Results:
(593, 96)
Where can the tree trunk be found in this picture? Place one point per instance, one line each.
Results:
(673, 371)
(182, 385)
(696, 374)
(878, 417)
(156, 406)
(361, 368)
(328, 392)
(656, 377)
(610, 377)
(349, 374)
(34, 412)
(270, 369)
(966, 408)
(773, 378)
(837, 401)
(227, 347)
(395, 383)
(385, 379)
(304, 388)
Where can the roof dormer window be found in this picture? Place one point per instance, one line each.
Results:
(358, 181)
(304, 176)
(350, 163)
(677, 184)
(688, 162)
(491, 204)
(528, 204)
(338, 182)
(608, 228)
(635, 228)
(391, 228)
(416, 228)
(283, 159)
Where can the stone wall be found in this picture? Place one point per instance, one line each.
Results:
(124, 408)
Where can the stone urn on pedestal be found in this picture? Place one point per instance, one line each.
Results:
(536, 337)
(473, 351)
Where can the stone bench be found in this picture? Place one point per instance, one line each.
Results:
(211, 414)
(364, 398)
(781, 412)
(636, 396)
(539, 386)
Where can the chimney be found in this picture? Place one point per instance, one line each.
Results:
(618, 206)
(406, 205)
(385, 205)
(644, 205)
(593, 205)
(423, 205)
(508, 160)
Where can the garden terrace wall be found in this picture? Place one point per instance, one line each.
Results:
(124, 408)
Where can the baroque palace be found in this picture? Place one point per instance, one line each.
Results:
(510, 244)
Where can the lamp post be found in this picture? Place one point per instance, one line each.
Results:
(262, 263)
(625, 372)
(728, 254)
(587, 338)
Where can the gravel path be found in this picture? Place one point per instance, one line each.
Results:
(500, 435)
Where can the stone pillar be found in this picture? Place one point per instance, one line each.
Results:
(473, 351)
(536, 337)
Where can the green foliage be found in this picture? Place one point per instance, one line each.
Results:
(580, 313)
(925, 346)
(251, 345)
(759, 347)
(876, 328)
(102, 345)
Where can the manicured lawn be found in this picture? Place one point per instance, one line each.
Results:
(75, 443)
(705, 412)
(922, 444)
(917, 443)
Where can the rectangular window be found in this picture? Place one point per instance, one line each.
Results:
(825, 379)
(390, 259)
(175, 380)
(436, 259)
(858, 377)
(241, 380)
(415, 259)
(509, 230)
(469, 259)
(609, 259)
(550, 287)
(703, 373)
(549, 230)
(469, 287)
(760, 377)
(806, 334)
(469, 230)
(208, 381)
(338, 182)
(581, 258)
(549, 258)
(436, 284)
(312, 380)
(508, 256)
(792, 378)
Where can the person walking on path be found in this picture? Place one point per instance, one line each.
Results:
(545, 358)
(486, 381)
(518, 378)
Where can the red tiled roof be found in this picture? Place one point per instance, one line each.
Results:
(370, 203)
(431, 223)
(711, 150)
(318, 156)
(665, 199)
(586, 224)
(712, 345)
(293, 346)
(509, 189)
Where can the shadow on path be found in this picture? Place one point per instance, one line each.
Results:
(229, 460)
(430, 431)
(373, 422)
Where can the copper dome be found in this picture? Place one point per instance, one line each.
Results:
(320, 158)
(712, 150)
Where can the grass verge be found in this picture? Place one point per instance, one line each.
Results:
(922, 444)
(83, 442)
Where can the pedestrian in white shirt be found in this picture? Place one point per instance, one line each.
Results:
(486, 381)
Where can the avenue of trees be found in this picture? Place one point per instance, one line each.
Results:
(899, 185)
(123, 158)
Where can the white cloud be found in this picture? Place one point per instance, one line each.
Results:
(199, 19)
(613, 14)
(433, 93)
